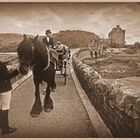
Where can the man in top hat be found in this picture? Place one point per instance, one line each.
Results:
(48, 40)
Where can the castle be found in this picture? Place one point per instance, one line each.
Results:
(116, 38)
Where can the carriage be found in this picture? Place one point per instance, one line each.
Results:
(63, 57)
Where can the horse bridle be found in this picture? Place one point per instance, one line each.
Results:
(33, 50)
(33, 55)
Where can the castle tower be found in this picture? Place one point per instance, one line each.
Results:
(117, 37)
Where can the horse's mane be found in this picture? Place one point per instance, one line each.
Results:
(24, 49)
(41, 51)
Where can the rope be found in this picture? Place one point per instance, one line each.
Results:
(48, 59)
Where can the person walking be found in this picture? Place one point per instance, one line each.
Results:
(5, 97)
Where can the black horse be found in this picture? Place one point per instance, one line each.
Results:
(32, 53)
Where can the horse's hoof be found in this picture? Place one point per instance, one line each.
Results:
(47, 110)
(34, 115)
(53, 90)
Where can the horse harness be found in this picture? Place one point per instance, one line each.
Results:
(48, 54)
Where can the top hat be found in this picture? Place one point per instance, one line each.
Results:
(48, 31)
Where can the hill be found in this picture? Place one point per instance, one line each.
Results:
(74, 38)
(10, 41)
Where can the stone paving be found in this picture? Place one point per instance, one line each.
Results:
(68, 119)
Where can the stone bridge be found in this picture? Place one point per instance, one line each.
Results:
(70, 118)
(117, 104)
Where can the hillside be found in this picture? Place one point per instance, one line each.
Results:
(73, 39)
(10, 41)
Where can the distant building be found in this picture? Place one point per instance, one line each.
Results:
(94, 43)
(98, 46)
(117, 37)
(104, 43)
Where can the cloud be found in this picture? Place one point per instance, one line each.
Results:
(100, 18)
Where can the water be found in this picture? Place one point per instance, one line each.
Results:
(8, 53)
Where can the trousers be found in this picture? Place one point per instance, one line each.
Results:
(5, 100)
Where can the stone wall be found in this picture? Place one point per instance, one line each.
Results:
(117, 104)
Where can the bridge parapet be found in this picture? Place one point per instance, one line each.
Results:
(117, 104)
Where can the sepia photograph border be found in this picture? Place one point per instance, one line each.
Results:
(92, 1)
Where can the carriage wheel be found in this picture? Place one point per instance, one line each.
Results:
(61, 67)
(65, 73)
(61, 70)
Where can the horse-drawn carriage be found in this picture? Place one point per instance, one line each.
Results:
(32, 53)
(63, 57)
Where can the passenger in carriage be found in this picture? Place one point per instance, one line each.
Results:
(64, 50)
(5, 97)
(58, 45)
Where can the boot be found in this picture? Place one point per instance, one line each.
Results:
(0, 118)
(5, 125)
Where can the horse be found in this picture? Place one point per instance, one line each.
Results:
(33, 54)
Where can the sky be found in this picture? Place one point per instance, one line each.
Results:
(100, 18)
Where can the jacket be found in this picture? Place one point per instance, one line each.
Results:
(50, 43)
(5, 76)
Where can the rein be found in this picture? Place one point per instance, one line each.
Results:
(48, 54)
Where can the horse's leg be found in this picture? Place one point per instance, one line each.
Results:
(48, 103)
(37, 106)
(53, 84)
